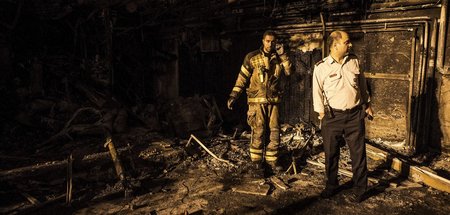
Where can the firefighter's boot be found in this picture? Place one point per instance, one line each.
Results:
(256, 170)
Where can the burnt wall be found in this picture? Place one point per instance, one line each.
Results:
(156, 51)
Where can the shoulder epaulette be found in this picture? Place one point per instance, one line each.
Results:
(320, 61)
(352, 56)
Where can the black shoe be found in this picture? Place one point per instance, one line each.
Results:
(358, 197)
(327, 193)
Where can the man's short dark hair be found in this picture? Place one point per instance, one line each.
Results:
(270, 33)
(335, 35)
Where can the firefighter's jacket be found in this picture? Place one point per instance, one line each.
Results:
(262, 73)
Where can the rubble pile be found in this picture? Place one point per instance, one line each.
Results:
(94, 157)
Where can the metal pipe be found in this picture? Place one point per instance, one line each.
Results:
(405, 8)
(313, 26)
(410, 137)
(421, 80)
(424, 54)
(392, 4)
(368, 21)
(401, 27)
(442, 37)
(433, 43)
(324, 36)
(384, 10)
(430, 83)
(296, 14)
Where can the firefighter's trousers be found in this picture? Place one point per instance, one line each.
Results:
(263, 118)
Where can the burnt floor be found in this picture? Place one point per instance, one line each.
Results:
(174, 176)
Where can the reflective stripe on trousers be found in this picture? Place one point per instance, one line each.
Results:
(258, 116)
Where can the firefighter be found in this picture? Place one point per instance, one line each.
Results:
(260, 75)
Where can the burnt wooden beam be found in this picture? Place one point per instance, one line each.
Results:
(209, 152)
(415, 173)
(347, 173)
(115, 158)
(279, 183)
(253, 188)
(49, 166)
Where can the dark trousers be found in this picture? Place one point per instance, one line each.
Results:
(350, 126)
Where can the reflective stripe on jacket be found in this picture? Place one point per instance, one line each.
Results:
(261, 72)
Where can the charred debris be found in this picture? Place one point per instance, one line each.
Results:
(94, 121)
(163, 159)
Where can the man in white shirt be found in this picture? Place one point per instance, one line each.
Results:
(340, 87)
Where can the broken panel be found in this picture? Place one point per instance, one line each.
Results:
(385, 58)
(389, 99)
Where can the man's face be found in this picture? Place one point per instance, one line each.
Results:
(343, 45)
(269, 43)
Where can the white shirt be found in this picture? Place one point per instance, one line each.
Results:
(343, 84)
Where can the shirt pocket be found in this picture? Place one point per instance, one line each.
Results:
(332, 80)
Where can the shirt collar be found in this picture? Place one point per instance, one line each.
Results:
(330, 59)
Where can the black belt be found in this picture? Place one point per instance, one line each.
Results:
(351, 110)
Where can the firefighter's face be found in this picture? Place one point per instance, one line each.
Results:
(269, 43)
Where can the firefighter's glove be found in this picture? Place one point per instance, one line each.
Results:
(231, 102)
(280, 49)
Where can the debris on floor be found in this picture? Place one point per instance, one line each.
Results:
(205, 175)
